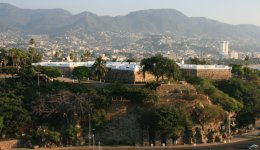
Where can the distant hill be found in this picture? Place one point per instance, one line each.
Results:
(57, 21)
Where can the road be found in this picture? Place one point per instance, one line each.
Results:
(228, 146)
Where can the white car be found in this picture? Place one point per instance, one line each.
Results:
(252, 146)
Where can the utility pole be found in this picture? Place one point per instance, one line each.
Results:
(93, 148)
(229, 131)
(38, 76)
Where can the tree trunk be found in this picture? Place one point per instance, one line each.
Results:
(157, 78)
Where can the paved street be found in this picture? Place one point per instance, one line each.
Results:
(239, 145)
(229, 146)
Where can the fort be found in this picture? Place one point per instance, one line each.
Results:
(215, 72)
(132, 72)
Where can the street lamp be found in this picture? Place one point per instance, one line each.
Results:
(99, 148)
(154, 70)
(229, 131)
(93, 138)
(229, 124)
(89, 129)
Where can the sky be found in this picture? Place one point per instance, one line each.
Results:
(228, 11)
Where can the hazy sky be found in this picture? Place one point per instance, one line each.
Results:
(229, 11)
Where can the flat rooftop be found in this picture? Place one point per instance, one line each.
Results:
(113, 65)
(205, 67)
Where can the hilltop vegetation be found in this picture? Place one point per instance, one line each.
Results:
(51, 113)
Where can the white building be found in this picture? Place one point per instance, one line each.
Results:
(234, 55)
(224, 48)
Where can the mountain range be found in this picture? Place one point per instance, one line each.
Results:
(58, 21)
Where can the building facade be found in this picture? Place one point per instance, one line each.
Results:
(224, 48)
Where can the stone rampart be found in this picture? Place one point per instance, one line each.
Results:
(5, 145)
(215, 74)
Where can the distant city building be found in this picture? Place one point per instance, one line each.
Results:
(170, 55)
(256, 56)
(224, 48)
(234, 55)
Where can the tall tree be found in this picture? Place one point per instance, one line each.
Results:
(13, 114)
(99, 68)
(160, 67)
(204, 114)
(85, 56)
(171, 121)
(246, 60)
(172, 70)
(80, 73)
(72, 56)
(3, 57)
(57, 55)
(32, 51)
(50, 72)
(18, 57)
(237, 70)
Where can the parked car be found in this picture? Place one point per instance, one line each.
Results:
(252, 146)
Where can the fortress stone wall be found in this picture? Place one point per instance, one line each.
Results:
(5, 145)
(215, 74)
(131, 72)
(128, 76)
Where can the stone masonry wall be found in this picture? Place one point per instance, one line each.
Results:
(4, 145)
(123, 126)
(140, 78)
(218, 74)
(215, 74)
(125, 76)
(189, 72)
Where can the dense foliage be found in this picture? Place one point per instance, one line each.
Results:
(171, 121)
(161, 67)
(52, 110)
(80, 73)
(47, 112)
(218, 97)
(99, 68)
(247, 93)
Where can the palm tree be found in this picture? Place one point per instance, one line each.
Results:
(32, 51)
(57, 55)
(18, 56)
(13, 55)
(3, 57)
(85, 56)
(99, 68)
(32, 42)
